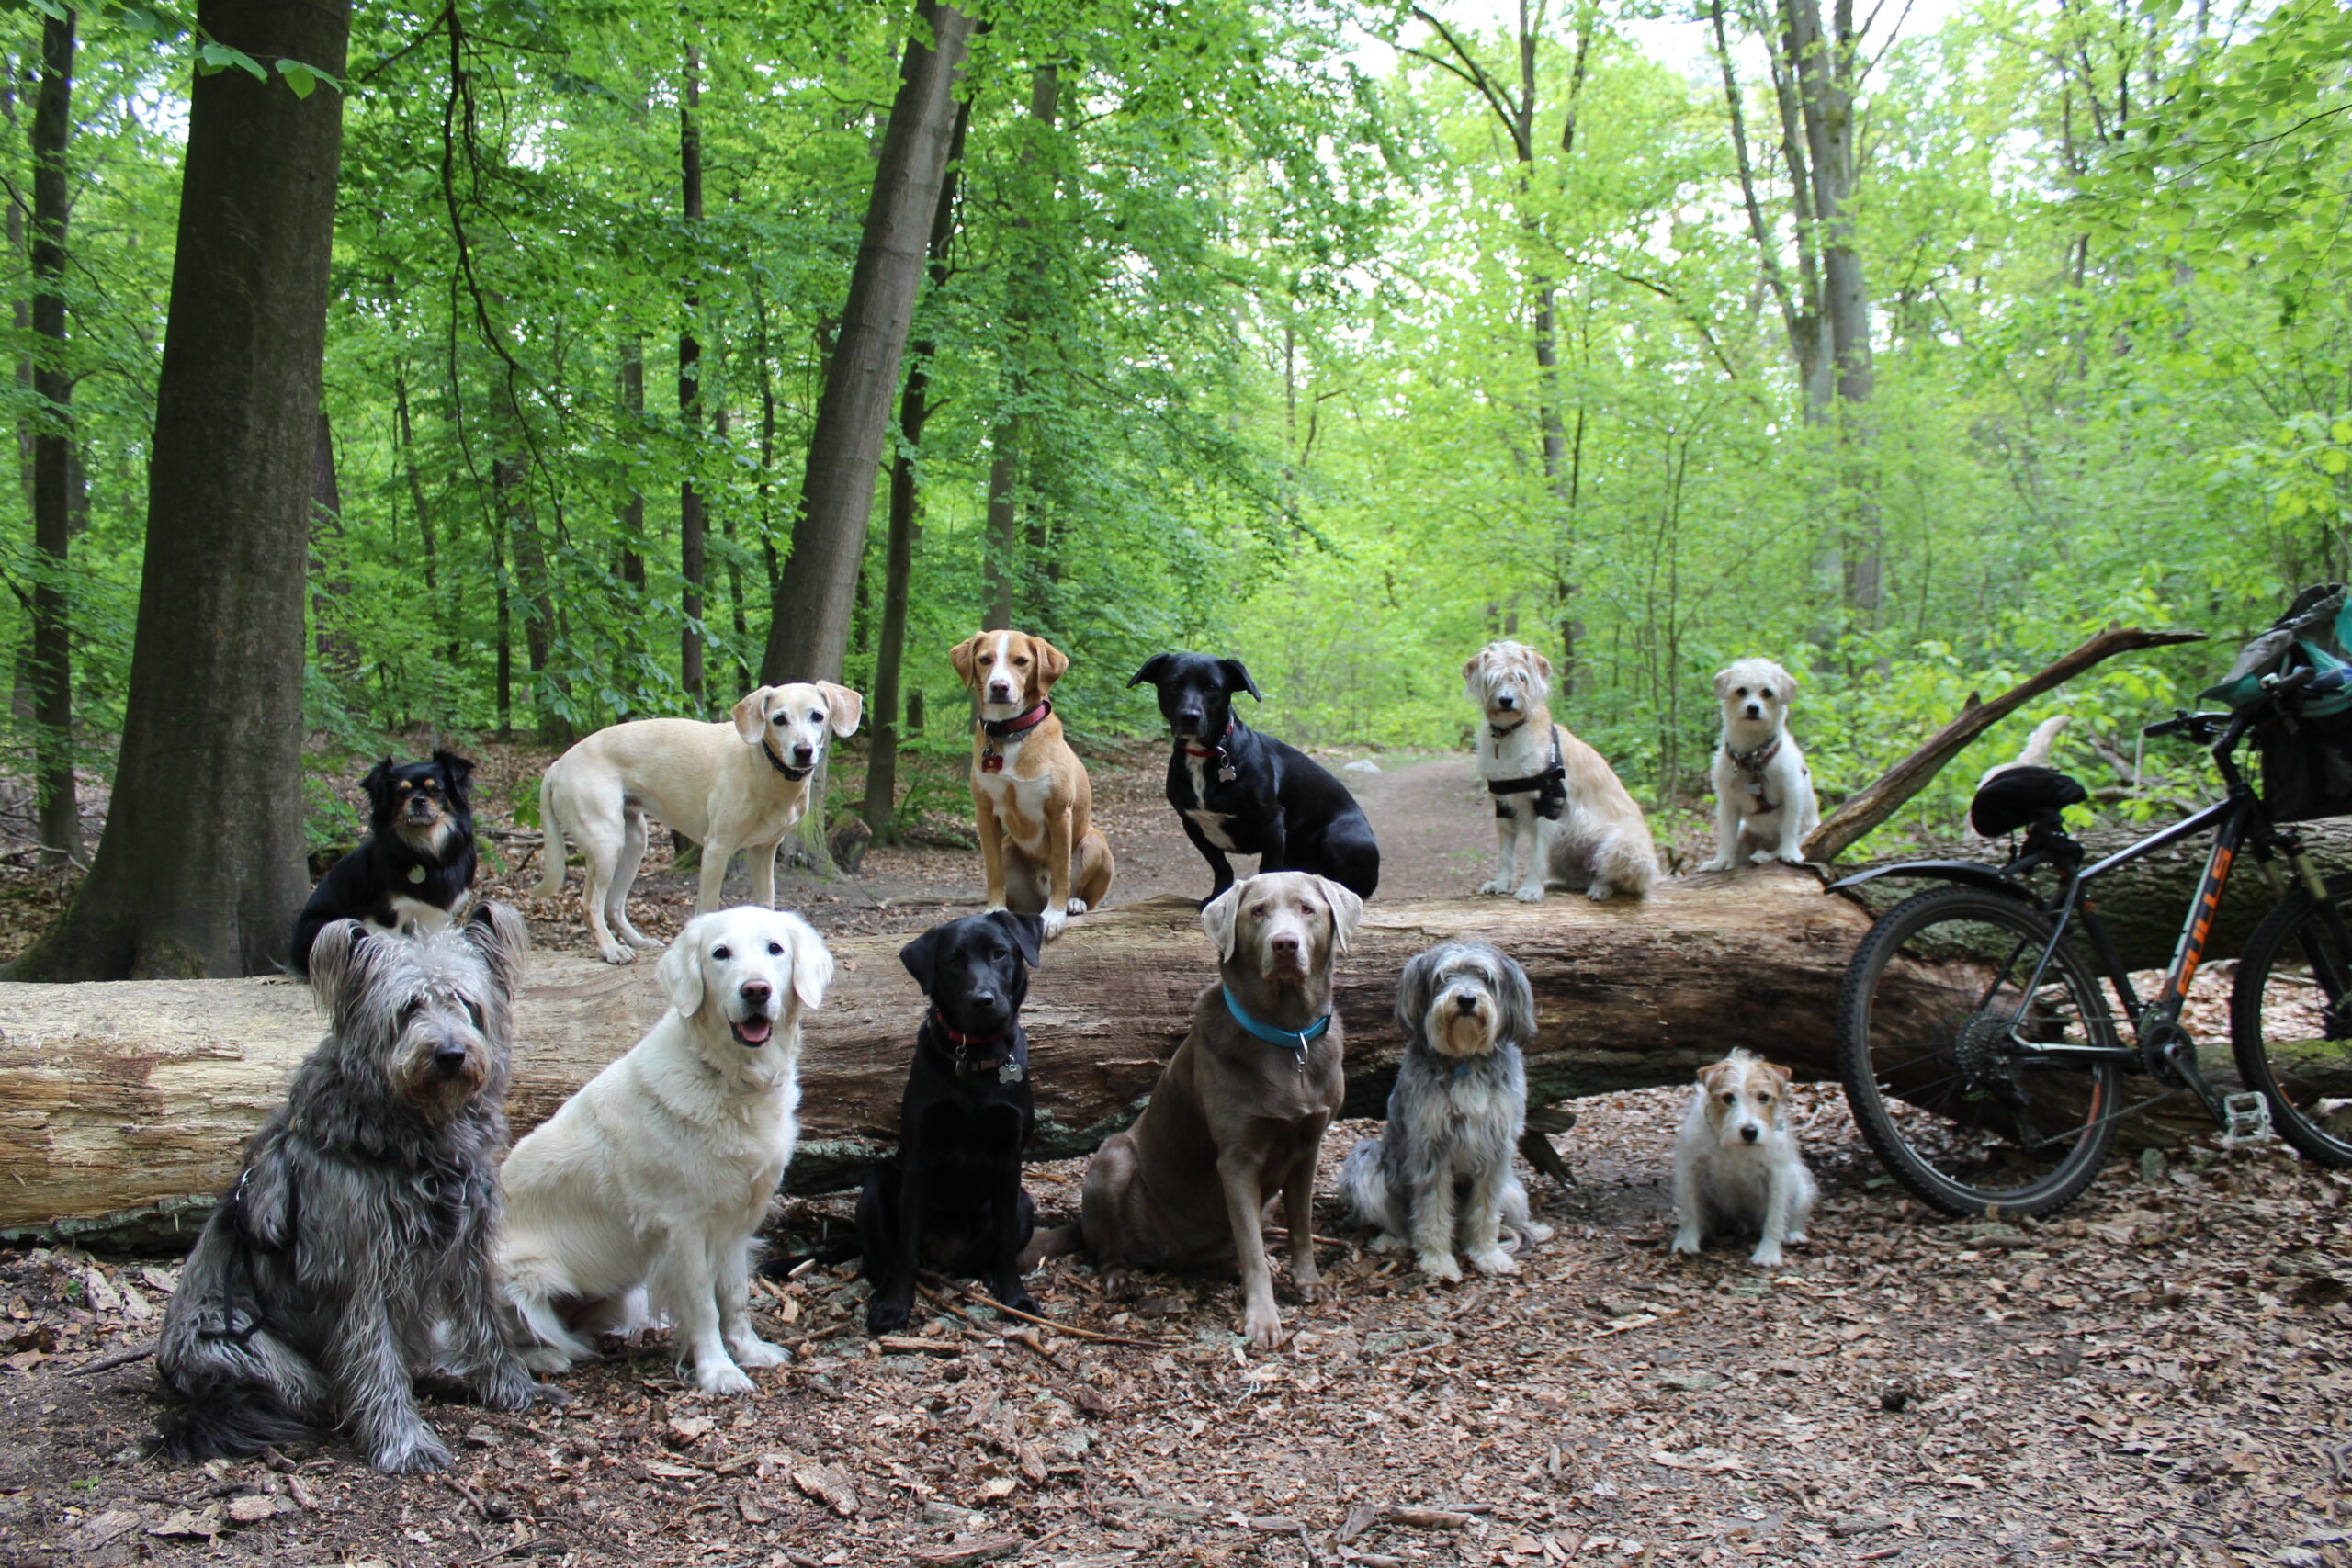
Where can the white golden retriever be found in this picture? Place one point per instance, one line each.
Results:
(1562, 818)
(738, 785)
(1764, 804)
(655, 1175)
(1737, 1164)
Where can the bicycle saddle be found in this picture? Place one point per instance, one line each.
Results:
(2013, 797)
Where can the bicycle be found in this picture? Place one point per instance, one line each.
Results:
(1978, 1051)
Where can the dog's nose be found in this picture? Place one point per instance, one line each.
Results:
(755, 992)
(1749, 1133)
(1756, 710)
(1000, 691)
(449, 1057)
(1466, 1001)
(1507, 700)
(1285, 944)
(804, 753)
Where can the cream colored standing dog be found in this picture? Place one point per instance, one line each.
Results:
(1031, 798)
(1737, 1164)
(655, 1175)
(738, 785)
(1764, 803)
(1561, 817)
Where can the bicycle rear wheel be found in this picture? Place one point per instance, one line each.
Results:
(1939, 1026)
(2290, 1021)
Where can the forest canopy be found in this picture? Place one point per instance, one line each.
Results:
(1336, 336)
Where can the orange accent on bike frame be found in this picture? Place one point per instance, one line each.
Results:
(2209, 900)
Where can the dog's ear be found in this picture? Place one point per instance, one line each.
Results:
(1347, 913)
(458, 771)
(498, 933)
(1711, 1078)
(1780, 1075)
(1474, 678)
(1237, 678)
(1154, 671)
(1413, 995)
(1027, 931)
(679, 971)
(751, 716)
(965, 655)
(812, 962)
(1542, 666)
(343, 955)
(378, 785)
(1783, 682)
(843, 707)
(1723, 684)
(1217, 917)
(921, 958)
(1052, 662)
(1517, 1000)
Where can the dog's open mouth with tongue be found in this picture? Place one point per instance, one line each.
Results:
(753, 1031)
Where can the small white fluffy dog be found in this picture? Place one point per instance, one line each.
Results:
(738, 785)
(1562, 818)
(655, 1175)
(1737, 1164)
(1439, 1178)
(1764, 804)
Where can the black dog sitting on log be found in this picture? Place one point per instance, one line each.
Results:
(417, 867)
(1242, 793)
(951, 1198)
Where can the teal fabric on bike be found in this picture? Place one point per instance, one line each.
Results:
(2316, 630)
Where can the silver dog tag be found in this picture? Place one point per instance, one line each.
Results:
(416, 873)
(1224, 774)
(1010, 1072)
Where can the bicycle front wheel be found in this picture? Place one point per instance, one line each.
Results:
(1950, 1032)
(2290, 1021)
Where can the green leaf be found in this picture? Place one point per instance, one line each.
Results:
(214, 57)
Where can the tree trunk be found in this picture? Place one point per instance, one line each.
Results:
(809, 629)
(632, 608)
(128, 1103)
(690, 506)
(881, 804)
(51, 668)
(201, 867)
(337, 655)
(1002, 560)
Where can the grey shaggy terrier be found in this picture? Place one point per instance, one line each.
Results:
(356, 1245)
(1440, 1179)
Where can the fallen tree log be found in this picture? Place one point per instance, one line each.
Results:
(123, 1106)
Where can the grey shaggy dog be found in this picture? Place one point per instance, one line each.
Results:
(1440, 1179)
(354, 1249)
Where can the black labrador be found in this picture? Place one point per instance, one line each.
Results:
(1242, 793)
(951, 1198)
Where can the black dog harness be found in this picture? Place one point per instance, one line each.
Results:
(996, 730)
(1225, 770)
(1752, 764)
(1549, 787)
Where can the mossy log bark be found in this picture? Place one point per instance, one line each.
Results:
(124, 1106)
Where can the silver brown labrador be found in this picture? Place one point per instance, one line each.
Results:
(1240, 1111)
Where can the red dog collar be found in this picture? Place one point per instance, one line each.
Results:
(1217, 750)
(996, 730)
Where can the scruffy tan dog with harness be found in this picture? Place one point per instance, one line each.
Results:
(738, 785)
(1562, 817)
(1031, 798)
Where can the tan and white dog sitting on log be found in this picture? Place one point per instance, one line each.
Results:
(1764, 805)
(738, 785)
(1031, 798)
(1562, 818)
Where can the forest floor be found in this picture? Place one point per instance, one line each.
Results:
(2162, 1374)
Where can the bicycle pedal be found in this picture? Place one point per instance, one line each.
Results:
(2245, 1119)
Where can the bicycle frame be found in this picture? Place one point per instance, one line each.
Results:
(2162, 1048)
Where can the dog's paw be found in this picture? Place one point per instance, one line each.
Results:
(1795, 1239)
(1439, 1266)
(759, 1353)
(508, 1388)
(1533, 1230)
(412, 1452)
(1264, 1332)
(1763, 857)
(1053, 920)
(1719, 864)
(545, 1358)
(643, 944)
(1077, 905)
(1313, 1290)
(617, 953)
(548, 1393)
(1493, 1260)
(1687, 1242)
(1600, 892)
(1766, 1258)
(1387, 1242)
(1531, 893)
(722, 1376)
(1496, 885)
(1018, 1299)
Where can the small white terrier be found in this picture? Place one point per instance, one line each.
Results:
(1736, 1164)
(1764, 803)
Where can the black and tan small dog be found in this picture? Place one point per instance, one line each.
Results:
(416, 868)
(951, 1198)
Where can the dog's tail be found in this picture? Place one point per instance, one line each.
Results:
(551, 845)
(232, 1419)
(1362, 1186)
(1060, 1241)
(2037, 746)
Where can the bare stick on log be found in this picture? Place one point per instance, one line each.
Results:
(1880, 799)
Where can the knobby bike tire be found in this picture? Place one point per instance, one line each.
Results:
(2291, 1024)
(1966, 1123)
